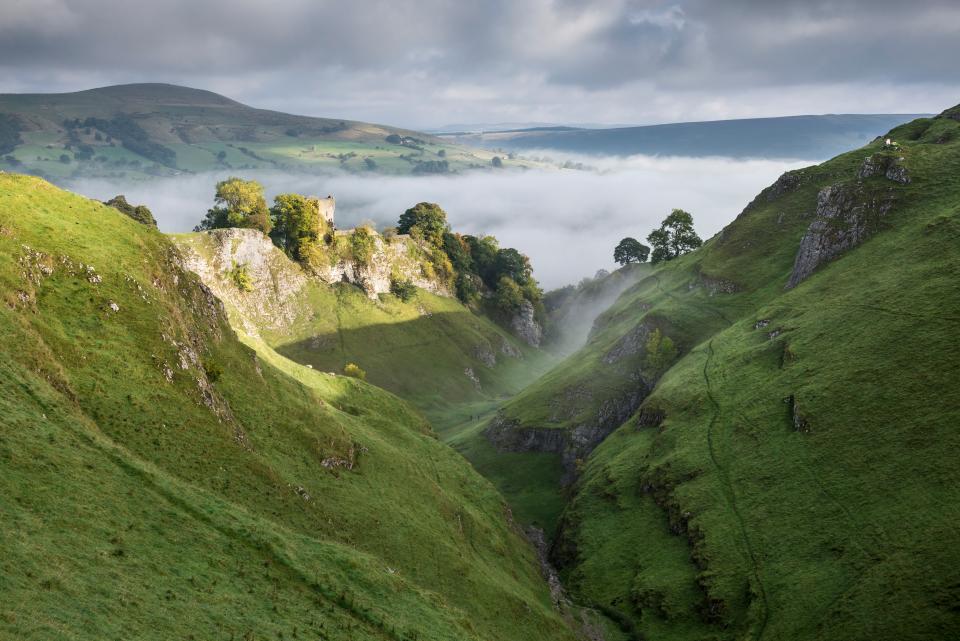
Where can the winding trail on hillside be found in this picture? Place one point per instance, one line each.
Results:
(728, 492)
(726, 486)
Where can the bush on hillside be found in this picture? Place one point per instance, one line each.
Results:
(661, 352)
(403, 288)
(363, 243)
(240, 277)
(354, 371)
(139, 213)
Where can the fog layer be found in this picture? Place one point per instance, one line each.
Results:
(567, 221)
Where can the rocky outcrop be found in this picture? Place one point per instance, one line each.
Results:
(630, 344)
(508, 435)
(524, 325)
(787, 182)
(390, 258)
(846, 215)
(885, 165)
(272, 301)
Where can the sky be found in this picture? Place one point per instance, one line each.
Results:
(427, 63)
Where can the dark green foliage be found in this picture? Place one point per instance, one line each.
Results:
(431, 167)
(65, 159)
(140, 213)
(496, 161)
(484, 250)
(370, 164)
(362, 244)
(442, 153)
(213, 371)
(509, 296)
(394, 139)
(427, 219)
(239, 203)
(660, 352)
(403, 288)
(354, 371)
(133, 137)
(297, 226)
(630, 250)
(241, 277)
(9, 133)
(514, 265)
(675, 237)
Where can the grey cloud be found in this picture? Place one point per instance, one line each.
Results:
(435, 61)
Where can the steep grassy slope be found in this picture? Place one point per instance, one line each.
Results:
(143, 130)
(791, 474)
(161, 480)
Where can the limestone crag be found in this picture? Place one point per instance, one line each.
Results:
(525, 326)
(846, 215)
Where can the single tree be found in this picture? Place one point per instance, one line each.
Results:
(630, 250)
(239, 203)
(496, 161)
(427, 220)
(675, 237)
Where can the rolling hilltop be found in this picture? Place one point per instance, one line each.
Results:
(798, 137)
(158, 129)
(786, 470)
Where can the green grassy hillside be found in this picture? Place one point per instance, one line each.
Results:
(144, 130)
(789, 474)
(431, 350)
(162, 480)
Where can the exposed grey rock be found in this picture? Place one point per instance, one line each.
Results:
(469, 373)
(760, 324)
(787, 182)
(630, 344)
(846, 216)
(715, 285)
(525, 326)
(884, 165)
(571, 444)
(485, 354)
(509, 349)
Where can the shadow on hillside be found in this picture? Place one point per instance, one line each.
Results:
(436, 361)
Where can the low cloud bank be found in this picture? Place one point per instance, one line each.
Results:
(567, 221)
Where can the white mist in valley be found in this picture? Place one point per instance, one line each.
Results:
(568, 221)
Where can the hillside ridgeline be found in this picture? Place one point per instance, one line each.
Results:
(784, 471)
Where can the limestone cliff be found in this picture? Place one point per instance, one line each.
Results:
(276, 286)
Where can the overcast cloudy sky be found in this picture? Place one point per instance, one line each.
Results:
(427, 63)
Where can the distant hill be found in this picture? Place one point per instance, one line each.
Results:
(161, 129)
(800, 137)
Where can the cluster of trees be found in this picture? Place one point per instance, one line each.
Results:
(9, 133)
(132, 136)
(475, 267)
(673, 238)
(474, 264)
